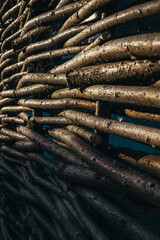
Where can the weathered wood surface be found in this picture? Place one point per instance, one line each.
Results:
(67, 68)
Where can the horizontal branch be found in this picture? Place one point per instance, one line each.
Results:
(50, 120)
(13, 134)
(90, 136)
(87, 10)
(126, 72)
(15, 109)
(53, 42)
(52, 16)
(140, 11)
(131, 47)
(147, 162)
(142, 115)
(12, 120)
(57, 104)
(50, 55)
(140, 96)
(44, 78)
(140, 133)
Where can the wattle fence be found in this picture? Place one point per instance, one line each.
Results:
(80, 120)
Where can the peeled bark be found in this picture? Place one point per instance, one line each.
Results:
(13, 134)
(140, 96)
(2, 116)
(12, 120)
(50, 55)
(132, 47)
(142, 115)
(38, 141)
(31, 36)
(12, 79)
(51, 43)
(22, 7)
(45, 78)
(143, 134)
(8, 93)
(11, 12)
(8, 62)
(34, 90)
(91, 137)
(8, 54)
(53, 16)
(14, 26)
(104, 37)
(157, 84)
(128, 72)
(8, 41)
(15, 109)
(57, 104)
(8, 22)
(24, 14)
(24, 116)
(50, 120)
(147, 162)
(12, 69)
(87, 10)
(63, 3)
(6, 101)
(144, 10)
(4, 8)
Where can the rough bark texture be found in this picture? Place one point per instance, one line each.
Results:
(79, 119)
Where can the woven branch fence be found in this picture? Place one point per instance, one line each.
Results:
(75, 74)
